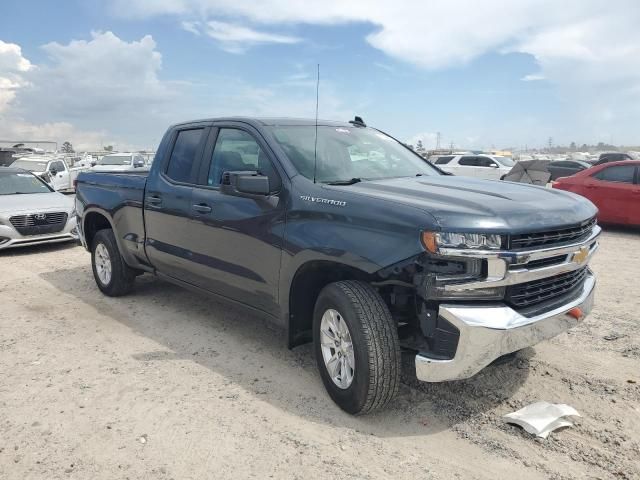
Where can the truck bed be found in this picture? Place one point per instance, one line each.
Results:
(121, 196)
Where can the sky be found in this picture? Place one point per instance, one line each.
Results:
(490, 74)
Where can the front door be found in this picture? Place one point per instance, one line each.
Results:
(167, 202)
(488, 168)
(236, 241)
(59, 175)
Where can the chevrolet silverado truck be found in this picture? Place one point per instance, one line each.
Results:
(346, 238)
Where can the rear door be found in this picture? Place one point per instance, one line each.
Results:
(167, 202)
(613, 191)
(237, 240)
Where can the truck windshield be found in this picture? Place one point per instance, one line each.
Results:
(347, 153)
(12, 183)
(30, 165)
(115, 160)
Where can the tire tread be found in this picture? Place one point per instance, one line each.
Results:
(382, 340)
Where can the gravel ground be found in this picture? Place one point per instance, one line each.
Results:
(164, 384)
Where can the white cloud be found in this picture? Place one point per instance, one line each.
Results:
(234, 38)
(533, 77)
(87, 91)
(429, 140)
(12, 67)
(105, 74)
(583, 43)
(106, 90)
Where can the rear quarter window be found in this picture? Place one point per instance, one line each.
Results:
(443, 160)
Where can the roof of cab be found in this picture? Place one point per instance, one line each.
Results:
(267, 121)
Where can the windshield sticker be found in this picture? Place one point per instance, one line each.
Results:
(337, 203)
(343, 130)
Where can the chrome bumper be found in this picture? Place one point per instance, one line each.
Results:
(488, 332)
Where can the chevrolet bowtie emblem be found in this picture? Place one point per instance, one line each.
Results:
(581, 255)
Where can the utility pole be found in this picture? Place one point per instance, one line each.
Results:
(437, 140)
(451, 146)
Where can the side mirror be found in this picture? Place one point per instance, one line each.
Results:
(244, 183)
(54, 171)
(494, 165)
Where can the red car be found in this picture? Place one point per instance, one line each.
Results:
(613, 187)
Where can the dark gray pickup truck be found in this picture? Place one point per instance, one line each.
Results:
(347, 239)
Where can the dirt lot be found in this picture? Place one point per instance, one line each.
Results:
(165, 384)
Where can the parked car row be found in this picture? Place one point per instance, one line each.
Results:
(52, 169)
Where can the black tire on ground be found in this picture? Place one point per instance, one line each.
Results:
(122, 276)
(374, 336)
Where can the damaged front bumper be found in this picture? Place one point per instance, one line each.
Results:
(488, 332)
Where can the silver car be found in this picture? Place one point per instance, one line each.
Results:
(31, 212)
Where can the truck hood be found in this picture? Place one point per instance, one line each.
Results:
(35, 202)
(467, 204)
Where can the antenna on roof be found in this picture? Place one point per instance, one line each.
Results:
(315, 145)
(357, 122)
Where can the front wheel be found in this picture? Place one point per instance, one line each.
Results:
(356, 347)
(112, 275)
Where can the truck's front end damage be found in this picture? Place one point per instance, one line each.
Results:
(477, 297)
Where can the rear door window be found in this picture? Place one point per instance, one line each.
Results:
(181, 167)
(617, 174)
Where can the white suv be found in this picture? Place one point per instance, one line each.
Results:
(490, 167)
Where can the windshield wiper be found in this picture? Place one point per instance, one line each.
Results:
(344, 182)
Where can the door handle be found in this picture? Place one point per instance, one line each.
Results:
(154, 200)
(202, 208)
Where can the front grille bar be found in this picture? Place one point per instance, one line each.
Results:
(553, 237)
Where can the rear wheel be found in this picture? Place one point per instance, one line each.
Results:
(356, 347)
(112, 275)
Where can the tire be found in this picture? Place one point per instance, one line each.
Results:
(121, 277)
(375, 378)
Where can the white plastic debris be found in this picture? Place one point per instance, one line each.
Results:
(542, 418)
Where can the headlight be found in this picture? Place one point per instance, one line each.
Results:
(433, 241)
(441, 272)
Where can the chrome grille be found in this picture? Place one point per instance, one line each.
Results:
(551, 237)
(39, 223)
(538, 291)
